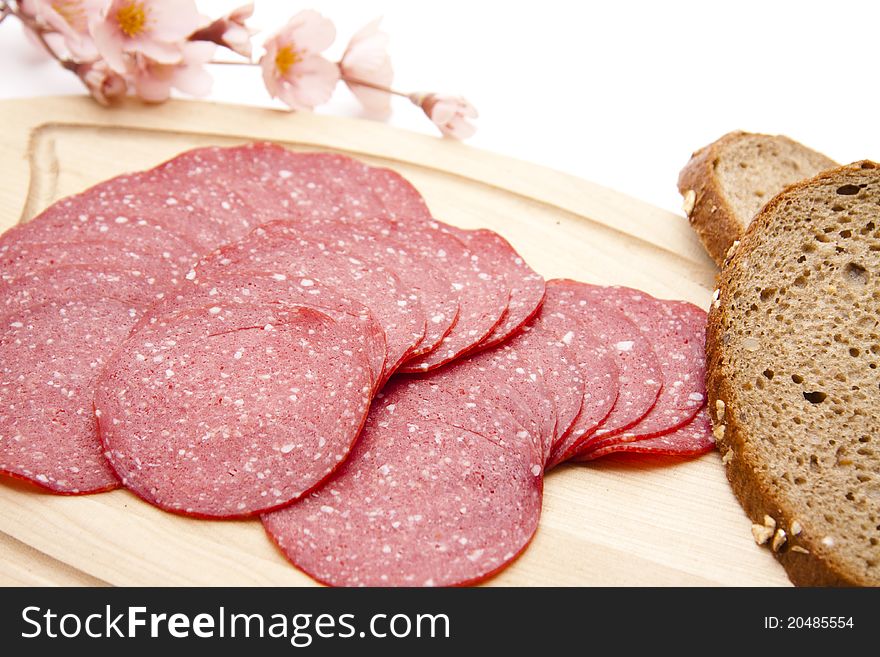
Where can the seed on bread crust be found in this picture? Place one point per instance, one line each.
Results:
(761, 533)
(779, 539)
(690, 199)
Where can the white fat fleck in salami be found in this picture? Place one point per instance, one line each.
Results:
(419, 503)
(692, 439)
(280, 247)
(640, 377)
(50, 357)
(677, 330)
(230, 413)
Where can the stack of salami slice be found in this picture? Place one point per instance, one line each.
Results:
(251, 330)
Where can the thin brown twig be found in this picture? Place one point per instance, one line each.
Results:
(69, 64)
(224, 62)
(377, 87)
(350, 80)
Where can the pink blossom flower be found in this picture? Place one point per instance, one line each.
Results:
(153, 80)
(104, 84)
(69, 19)
(293, 69)
(366, 60)
(449, 113)
(230, 31)
(153, 28)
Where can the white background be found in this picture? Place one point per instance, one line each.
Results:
(619, 93)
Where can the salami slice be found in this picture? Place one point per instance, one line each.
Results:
(555, 332)
(692, 439)
(279, 247)
(227, 411)
(50, 357)
(64, 222)
(248, 287)
(526, 285)
(639, 374)
(418, 503)
(60, 283)
(190, 203)
(275, 182)
(485, 292)
(483, 301)
(439, 299)
(528, 357)
(17, 259)
(516, 380)
(677, 330)
(597, 367)
(481, 395)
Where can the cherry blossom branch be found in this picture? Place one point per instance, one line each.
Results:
(113, 49)
(226, 62)
(39, 34)
(377, 87)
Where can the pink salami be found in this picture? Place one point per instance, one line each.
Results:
(274, 289)
(677, 330)
(601, 383)
(527, 287)
(17, 259)
(485, 292)
(280, 247)
(692, 439)
(639, 374)
(63, 221)
(230, 410)
(418, 503)
(67, 281)
(439, 299)
(483, 301)
(50, 357)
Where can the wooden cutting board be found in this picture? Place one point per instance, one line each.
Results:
(614, 522)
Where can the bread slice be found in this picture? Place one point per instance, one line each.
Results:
(727, 182)
(793, 347)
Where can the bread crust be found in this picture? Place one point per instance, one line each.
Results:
(711, 217)
(813, 567)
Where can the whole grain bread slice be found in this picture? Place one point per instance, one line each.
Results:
(726, 183)
(793, 346)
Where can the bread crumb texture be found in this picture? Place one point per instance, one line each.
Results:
(753, 168)
(794, 351)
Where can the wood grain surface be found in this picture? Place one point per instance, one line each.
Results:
(620, 521)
